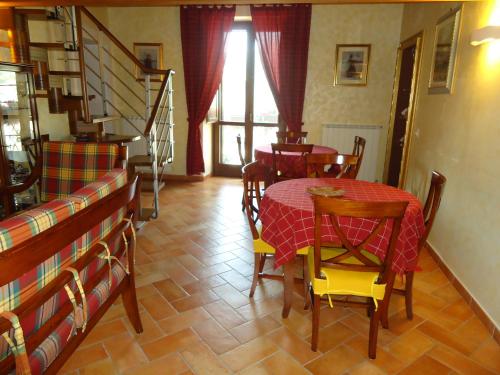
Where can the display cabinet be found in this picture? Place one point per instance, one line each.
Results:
(19, 135)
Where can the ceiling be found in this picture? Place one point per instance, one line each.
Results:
(186, 2)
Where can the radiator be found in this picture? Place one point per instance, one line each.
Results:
(341, 137)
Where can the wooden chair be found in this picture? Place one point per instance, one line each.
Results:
(350, 270)
(319, 165)
(242, 161)
(348, 166)
(349, 169)
(240, 152)
(279, 148)
(256, 177)
(431, 207)
(291, 137)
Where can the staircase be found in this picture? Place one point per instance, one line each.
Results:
(108, 94)
(137, 100)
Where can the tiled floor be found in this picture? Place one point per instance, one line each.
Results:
(194, 267)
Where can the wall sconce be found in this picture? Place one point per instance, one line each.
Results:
(485, 35)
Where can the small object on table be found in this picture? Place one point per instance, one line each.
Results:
(326, 191)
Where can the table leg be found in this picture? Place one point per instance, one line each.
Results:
(287, 288)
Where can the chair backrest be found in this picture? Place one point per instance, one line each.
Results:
(255, 177)
(438, 181)
(68, 166)
(358, 150)
(334, 208)
(317, 163)
(279, 148)
(348, 166)
(240, 152)
(291, 137)
(359, 146)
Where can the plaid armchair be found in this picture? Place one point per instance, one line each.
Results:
(69, 166)
(65, 167)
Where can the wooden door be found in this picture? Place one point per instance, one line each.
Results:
(399, 138)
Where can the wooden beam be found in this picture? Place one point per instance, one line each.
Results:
(139, 3)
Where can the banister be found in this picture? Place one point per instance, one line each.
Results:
(124, 49)
(151, 119)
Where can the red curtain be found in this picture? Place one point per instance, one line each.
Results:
(282, 33)
(204, 32)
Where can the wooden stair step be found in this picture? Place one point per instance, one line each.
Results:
(103, 118)
(147, 185)
(140, 161)
(146, 214)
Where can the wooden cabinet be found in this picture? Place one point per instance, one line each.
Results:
(19, 134)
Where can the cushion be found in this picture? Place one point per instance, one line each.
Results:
(51, 347)
(19, 228)
(68, 166)
(262, 247)
(345, 282)
(96, 190)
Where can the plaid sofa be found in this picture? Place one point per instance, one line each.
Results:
(21, 228)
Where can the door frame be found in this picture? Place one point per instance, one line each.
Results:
(220, 169)
(416, 40)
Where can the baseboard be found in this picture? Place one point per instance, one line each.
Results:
(176, 177)
(478, 310)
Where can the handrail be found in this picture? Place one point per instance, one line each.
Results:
(119, 44)
(154, 111)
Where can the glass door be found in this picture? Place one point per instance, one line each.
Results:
(247, 106)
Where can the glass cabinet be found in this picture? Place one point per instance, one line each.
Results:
(19, 135)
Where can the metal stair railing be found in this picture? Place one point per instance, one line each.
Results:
(117, 78)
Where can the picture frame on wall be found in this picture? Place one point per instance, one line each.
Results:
(444, 54)
(151, 56)
(351, 64)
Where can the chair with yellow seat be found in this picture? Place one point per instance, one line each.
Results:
(257, 177)
(347, 270)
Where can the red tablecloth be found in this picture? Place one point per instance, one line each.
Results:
(291, 164)
(288, 219)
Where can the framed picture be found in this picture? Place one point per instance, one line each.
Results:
(351, 67)
(445, 52)
(151, 56)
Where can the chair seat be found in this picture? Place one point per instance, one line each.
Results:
(345, 282)
(262, 247)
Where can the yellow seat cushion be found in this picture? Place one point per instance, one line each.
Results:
(262, 247)
(345, 282)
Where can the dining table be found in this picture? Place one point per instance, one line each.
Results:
(291, 164)
(287, 215)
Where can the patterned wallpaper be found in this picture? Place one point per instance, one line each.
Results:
(378, 25)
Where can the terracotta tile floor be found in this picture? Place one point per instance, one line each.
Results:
(194, 266)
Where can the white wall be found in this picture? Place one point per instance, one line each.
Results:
(458, 135)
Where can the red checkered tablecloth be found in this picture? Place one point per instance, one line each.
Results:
(291, 164)
(287, 215)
